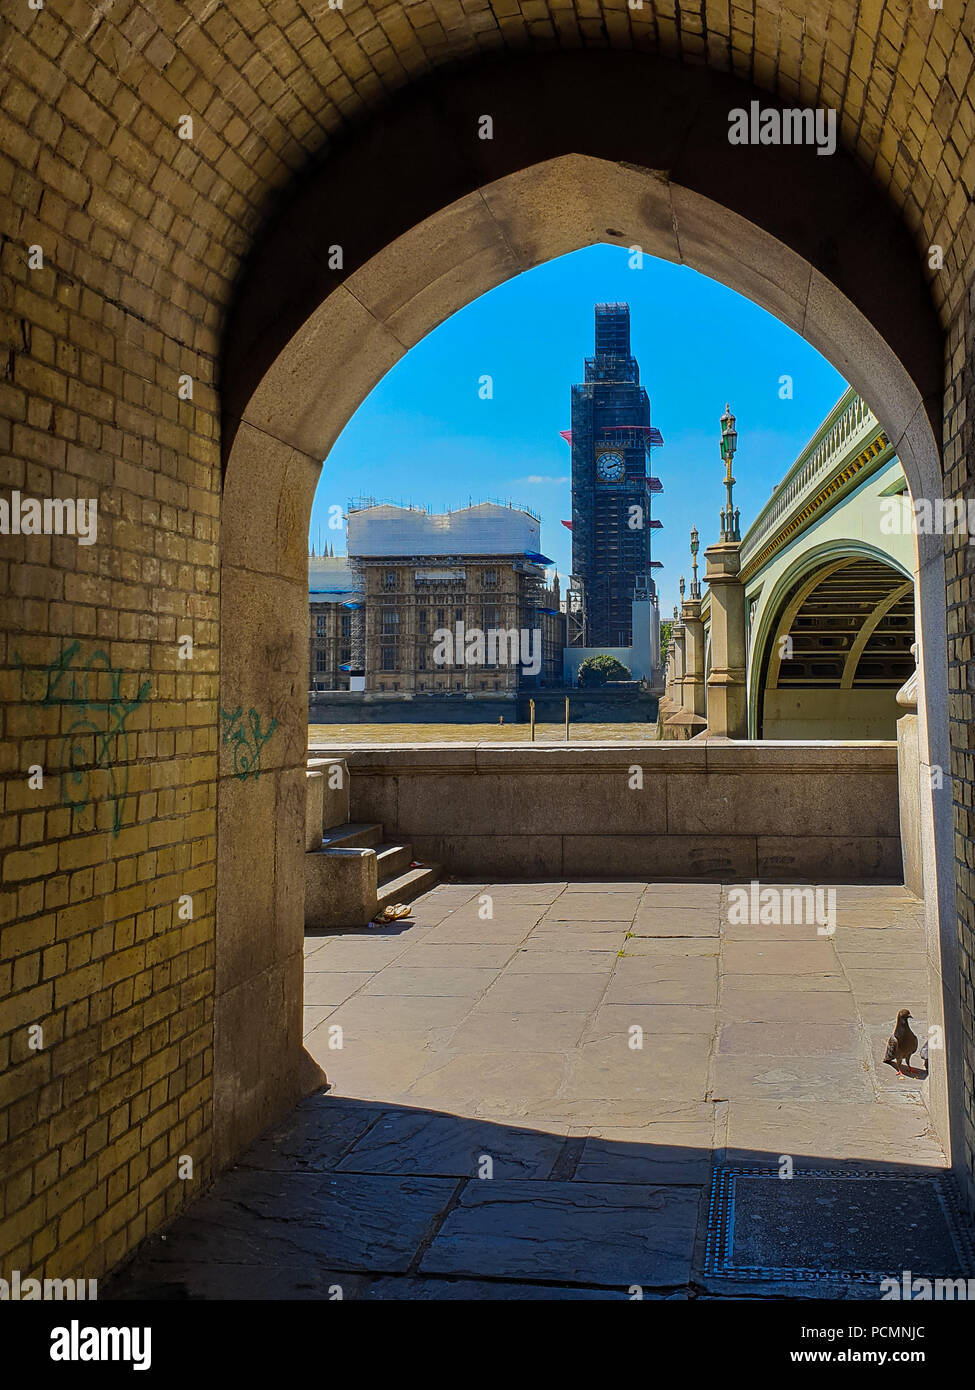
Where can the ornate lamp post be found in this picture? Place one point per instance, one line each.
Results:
(681, 587)
(695, 547)
(729, 444)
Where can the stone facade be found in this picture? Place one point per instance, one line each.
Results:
(407, 603)
(121, 272)
(329, 646)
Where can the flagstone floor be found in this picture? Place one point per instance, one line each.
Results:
(530, 1084)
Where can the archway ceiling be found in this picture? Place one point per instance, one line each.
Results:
(300, 74)
(642, 113)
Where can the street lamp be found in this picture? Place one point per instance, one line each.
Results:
(729, 443)
(695, 547)
(681, 587)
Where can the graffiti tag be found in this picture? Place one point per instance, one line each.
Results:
(247, 740)
(90, 740)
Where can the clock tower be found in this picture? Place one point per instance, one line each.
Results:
(611, 439)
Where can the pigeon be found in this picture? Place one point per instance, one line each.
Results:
(901, 1045)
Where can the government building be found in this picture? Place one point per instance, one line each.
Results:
(401, 613)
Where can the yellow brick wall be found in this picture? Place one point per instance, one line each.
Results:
(143, 235)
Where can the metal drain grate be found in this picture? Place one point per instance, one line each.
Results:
(845, 1227)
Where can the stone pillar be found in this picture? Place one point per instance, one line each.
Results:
(667, 699)
(727, 698)
(695, 693)
(677, 637)
(909, 785)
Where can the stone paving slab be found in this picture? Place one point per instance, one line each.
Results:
(753, 1005)
(339, 1220)
(877, 985)
(358, 953)
(585, 1233)
(829, 1079)
(312, 1017)
(555, 962)
(668, 1065)
(315, 1136)
(472, 931)
(594, 907)
(405, 1059)
(434, 981)
(544, 993)
(798, 1040)
(563, 934)
(864, 1133)
(509, 1037)
(371, 1018)
(670, 947)
(653, 1018)
(479, 1291)
(462, 956)
(759, 931)
(445, 1146)
(149, 1280)
(334, 986)
(807, 982)
(776, 957)
(651, 920)
(627, 886)
(529, 1031)
(655, 1153)
(640, 981)
(490, 1079)
(686, 894)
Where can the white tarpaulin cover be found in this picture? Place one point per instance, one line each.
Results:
(487, 529)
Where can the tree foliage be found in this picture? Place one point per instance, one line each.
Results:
(597, 670)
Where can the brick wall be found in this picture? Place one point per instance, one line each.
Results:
(142, 235)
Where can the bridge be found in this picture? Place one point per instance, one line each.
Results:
(821, 609)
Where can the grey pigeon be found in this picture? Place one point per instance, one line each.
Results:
(901, 1045)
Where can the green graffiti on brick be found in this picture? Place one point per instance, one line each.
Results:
(247, 740)
(97, 738)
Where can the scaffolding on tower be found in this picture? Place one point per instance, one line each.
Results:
(575, 612)
(356, 604)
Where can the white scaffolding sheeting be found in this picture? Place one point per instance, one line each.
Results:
(487, 529)
(331, 579)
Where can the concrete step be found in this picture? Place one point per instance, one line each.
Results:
(408, 885)
(355, 835)
(393, 859)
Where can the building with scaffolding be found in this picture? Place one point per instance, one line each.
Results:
(333, 591)
(411, 576)
(611, 439)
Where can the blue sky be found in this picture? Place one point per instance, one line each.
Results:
(423, 435)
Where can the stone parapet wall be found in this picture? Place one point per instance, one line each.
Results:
(822, 812)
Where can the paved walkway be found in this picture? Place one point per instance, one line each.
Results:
(495, 1129)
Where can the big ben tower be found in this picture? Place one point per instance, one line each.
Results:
(611, 439)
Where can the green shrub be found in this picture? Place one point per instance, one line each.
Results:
(597, 670)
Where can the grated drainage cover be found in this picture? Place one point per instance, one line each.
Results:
(846, 1227)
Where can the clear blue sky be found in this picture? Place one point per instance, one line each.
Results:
(423, 435)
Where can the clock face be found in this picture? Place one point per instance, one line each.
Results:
(609, 468)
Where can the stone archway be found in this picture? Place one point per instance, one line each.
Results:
(427, 217)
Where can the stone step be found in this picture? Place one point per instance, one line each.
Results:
(408, 885)
(355, 835)
(393, 859)
(340, 887)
